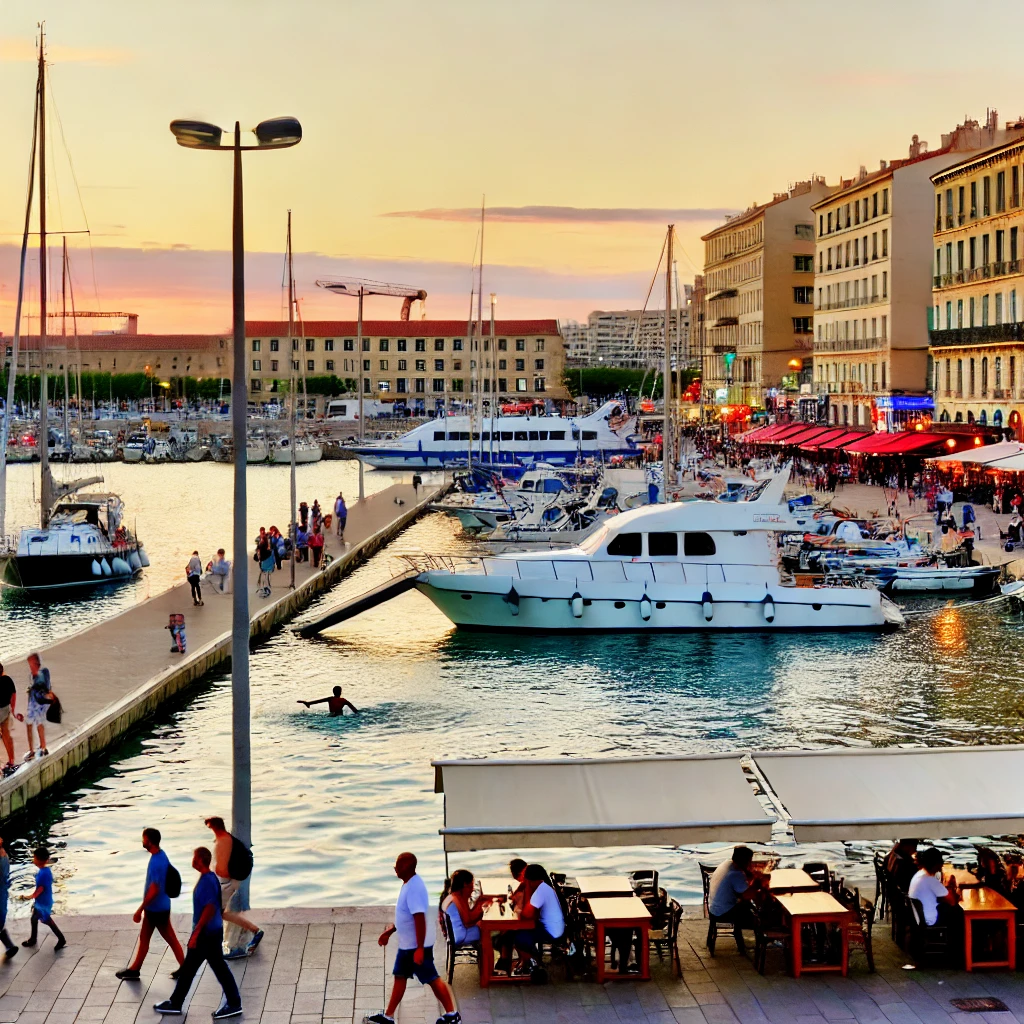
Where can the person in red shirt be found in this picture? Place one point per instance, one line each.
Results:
(316, 547)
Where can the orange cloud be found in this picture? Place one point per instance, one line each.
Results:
(23, 51)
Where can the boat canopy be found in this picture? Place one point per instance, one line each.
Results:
(570, 802)
(844, 794)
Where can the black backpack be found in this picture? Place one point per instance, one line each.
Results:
(172, 883)
(240, 861)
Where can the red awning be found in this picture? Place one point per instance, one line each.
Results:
(804, 434)
(845, 438)
(829, 435)
(756, 434)
(895, 444)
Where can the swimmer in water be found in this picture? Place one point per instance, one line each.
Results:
(335, 705)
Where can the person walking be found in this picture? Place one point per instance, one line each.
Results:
(340, 515)
(8, 698)
(5, 889)
(414, 925)
(42, 900)
(316, 547)
(204, 945)
(194, 575)
(154, 913)
(40, 697)
(232, 863)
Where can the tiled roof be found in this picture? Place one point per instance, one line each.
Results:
(850, 186)
(396, 328)
(125, 342)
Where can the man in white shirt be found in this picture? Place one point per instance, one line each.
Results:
(541, 906)
(414, 925)
(935, 898)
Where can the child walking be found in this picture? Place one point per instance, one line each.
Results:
(42, 900)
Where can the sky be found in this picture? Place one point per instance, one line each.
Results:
(586, 124)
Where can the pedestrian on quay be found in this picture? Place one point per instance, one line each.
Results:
(414, 926)
(40, 697)
(8, 698)
(205, 944)
(304, 515)
(316, 515)
(316, 547)
(220, 568)
(340, 515)
(301, 544)
(194, 575)
(5, 889)
(232, 864)
(42, 900)
(265, 558)
(154, 913)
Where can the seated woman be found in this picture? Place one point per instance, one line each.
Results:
(463, 919)
(991, 871)
(541, 906)
(937, 900)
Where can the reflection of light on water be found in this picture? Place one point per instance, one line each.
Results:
(948, 631)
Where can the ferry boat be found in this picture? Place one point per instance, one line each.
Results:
(555, 439)
(683, 566)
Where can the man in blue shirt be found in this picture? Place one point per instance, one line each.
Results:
(155, 910)
(729, 892)
(205, 944)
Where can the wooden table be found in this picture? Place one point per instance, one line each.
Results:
(495, 921)
(981, 904)
(622, 912)
(791, 880)
(815, 908)
(497, 885)
(964, 879)
(604, 885)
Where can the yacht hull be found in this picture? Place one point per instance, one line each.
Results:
(39, 573)
(303, 455)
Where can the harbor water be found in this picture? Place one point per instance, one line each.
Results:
(334, 799)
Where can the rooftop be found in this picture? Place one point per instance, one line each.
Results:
(397, 328)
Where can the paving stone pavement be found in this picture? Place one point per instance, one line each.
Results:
(324, 966)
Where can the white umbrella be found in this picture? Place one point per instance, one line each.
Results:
(1011, 464)
(985, 454)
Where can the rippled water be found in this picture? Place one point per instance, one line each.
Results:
(335, 799)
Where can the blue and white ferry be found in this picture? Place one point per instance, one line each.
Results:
(557, 440)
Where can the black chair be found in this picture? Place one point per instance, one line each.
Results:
(927, 942)
(881, 903)
(706, 871)
(664, 932)
(819, 871)
(466, 953)
(769, 931)
(644, 882)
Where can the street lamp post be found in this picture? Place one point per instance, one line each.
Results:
(278, 133)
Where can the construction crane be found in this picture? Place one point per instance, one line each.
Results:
(359, 288)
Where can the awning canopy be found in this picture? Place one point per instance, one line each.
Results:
(1013, 464)
(895, 444)
(571, 802)
(881, 794)
(799, 436)
(984, 454)
(845, 438)
(831, 434)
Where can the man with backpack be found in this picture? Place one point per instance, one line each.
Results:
(162, 884)
(232, 863)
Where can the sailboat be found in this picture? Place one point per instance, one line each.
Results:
(81, 540)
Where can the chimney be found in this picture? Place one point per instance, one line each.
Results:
(882, 165)
(862, 173)
(133, 324)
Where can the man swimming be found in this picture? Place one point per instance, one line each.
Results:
(335, 705)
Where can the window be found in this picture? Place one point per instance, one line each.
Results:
(972, 246)
(802, 325)
(295, 365)
(402, 385)
(366, 344)
(295, 344)
(348, 345)
(274, 345)
(256, 344)
(1013, 246)
(974, 200)
(885, 284)
(539, 384)
(310, 365)
(273, 364)
(520, 435)
(803, 295)
(1001, 192)
(503, 384)
(1015, 186)
(626, 545)
(521, 384)
(310, 345)
(421, 344)
(438, 384)
(805, 232)
(421, 385)
(438, 365)
(439, 344)
(1000, 248)
(662, 545)
(698, 545)
(457, 364)
(874, 204)
(329, 364)
(401, 345)
(538, 364)
(803, 264)
(984, 316)
(383, 364)
(539, 347)
(830, 223)
(256, 385)
(421, 364)
(502, 364)
(874, 245)
(383, 345)
(383, 385)
(986, 196)
(402, 364)
(885, 242)
(520, 344)
(885, 200)
(456, 344)
(256, 365)
(329, 345)
(438, 435)
(457, 384)
(520, 364)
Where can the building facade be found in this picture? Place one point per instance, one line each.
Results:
(873, 287)
(759, 285)
(424, 364)
(977, 314)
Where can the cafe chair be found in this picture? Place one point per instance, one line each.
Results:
(644, 882)
(858, 925)
(819, 871)
(664, 933)
(706, 871)
(881, 883)
(768, 932)
(580, 934)
(466, 953)
(927, 942)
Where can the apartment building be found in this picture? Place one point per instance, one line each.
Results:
(873, 284)
(579, 347)
(630, 338)
(977, 315)
(423, 363)
(759, 292)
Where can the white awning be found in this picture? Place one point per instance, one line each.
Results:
(985, 454)
(648, 801)
(882, 794)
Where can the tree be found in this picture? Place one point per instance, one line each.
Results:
(608, 381)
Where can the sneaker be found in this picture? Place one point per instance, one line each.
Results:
(60, 945)
(224, 1011)
(167, 1007)
(43, 752)
(237, 954)
(30, 755)
(175, 974)
(128, 974)
(379, 1018)
(450, 1018)
(254, 942)
(29, 943)
(11, 951)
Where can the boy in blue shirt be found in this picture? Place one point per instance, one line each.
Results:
(42, 900)
(154, 913)
(205, 943)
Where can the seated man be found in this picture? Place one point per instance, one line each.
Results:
(937, 900)
(335, 705)
(730, 890)
(219, 569)
(541, 906)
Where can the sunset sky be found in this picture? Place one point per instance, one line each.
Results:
(587, 124)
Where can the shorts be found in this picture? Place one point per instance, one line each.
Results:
(406, 967)
(156, 918)
(5, 713)
(228, 888)
(35, 714)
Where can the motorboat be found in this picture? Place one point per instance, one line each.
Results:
(306, 450)
(681, 566)
(256, 449)
(556, 440)
(134, 447)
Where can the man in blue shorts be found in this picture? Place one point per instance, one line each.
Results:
(414, 926)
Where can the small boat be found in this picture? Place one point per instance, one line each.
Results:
(134, 447)
(306, 451)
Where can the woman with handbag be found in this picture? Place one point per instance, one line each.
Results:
(40, 699)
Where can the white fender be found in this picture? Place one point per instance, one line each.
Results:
(120, 567)
(769, 609)
(105, 567)
(143, 557)
(645, 608)
(96, 570)
(134, 561)
(577, 605)
(707, 605)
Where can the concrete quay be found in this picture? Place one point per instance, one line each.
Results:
(323, 966)
(115, 674)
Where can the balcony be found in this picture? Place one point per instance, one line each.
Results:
(804, 342)
(726, 293)
(860, 300)
(850, 344)
(726, 321)
(1001, 268)
(721, 350)
(998, 393)
(967, 336)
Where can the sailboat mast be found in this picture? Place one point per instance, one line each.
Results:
(476, 364)
(64, 338)
(45, 481)
(667, 427)
(292, 532)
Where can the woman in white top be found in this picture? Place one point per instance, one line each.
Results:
(934, 897)
(463, 919)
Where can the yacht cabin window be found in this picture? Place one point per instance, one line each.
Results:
(627, 545)
(660, 545)
(527, 485)
(698, 545)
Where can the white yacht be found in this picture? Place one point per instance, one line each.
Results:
(675, 567)
(306, 451)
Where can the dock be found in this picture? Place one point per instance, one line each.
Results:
(323, 966)
(113, 675)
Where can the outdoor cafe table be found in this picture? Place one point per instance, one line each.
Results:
(981, 904)
(791, 880)
(815, 908)
(621, 912)
(604, 885)
(495, 921)
(964, 879)
(496, 885)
